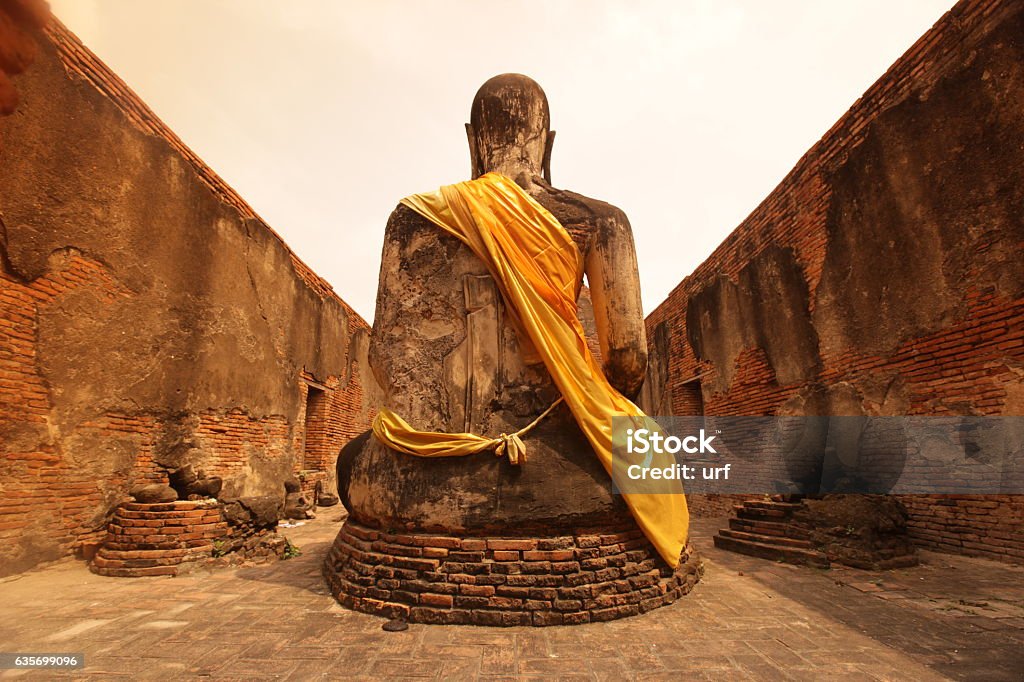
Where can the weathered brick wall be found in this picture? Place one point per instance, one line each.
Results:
(884, 275)
(148, 318)
(590, 576)
(990, 526)
(336, 399)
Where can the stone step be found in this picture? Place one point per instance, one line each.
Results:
(136, 572)
(102, 562)
(790, 555)
(773, 528)
(771, 504)
(139, 553)
(197, 544)
(766, 539)
(745, 512)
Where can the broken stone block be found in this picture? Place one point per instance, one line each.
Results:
(262, 511)
(190, 485)
(326, 500)
(206, 487)
(153, 493)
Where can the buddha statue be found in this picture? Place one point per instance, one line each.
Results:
(451, 357)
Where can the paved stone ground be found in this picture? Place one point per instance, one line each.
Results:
(749, 619)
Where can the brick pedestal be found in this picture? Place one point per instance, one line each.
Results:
(157, 539)
(564, 580)
(847, 529)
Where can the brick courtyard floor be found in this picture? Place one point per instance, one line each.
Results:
(952, 617)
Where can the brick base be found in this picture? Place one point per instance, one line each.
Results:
(157, 539)
(564, 580)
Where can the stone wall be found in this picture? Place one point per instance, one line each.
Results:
(884, 275)
(148, 318)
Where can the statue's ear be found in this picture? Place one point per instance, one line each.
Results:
(549, 142)
(474, 153)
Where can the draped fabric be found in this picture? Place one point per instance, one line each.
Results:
(537, 267)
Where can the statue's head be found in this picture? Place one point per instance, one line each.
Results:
(509, 127)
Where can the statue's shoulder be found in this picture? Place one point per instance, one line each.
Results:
(404, 222)
(578, 209)
(403, 215)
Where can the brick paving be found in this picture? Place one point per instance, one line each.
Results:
(952, 617)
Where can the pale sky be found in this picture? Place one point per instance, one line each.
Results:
(322, 114)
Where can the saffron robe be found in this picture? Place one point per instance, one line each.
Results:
(537, 267)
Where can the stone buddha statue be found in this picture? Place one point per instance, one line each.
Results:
(449, 358)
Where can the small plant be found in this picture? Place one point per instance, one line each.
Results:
(219, 548)
(291, 551)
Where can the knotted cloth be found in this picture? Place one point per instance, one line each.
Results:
(537, 268)
(396, 433)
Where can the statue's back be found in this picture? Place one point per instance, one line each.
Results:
(444, 346)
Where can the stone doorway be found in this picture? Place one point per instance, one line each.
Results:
(690, 398)
(315, 445)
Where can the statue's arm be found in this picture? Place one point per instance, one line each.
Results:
(614, 280)
(383, 362)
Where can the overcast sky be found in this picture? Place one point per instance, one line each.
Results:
(324, 113)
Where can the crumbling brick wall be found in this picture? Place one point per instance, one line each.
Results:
(148, 317)
(884, 275)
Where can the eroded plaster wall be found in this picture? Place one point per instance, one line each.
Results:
(148, 317)
(885, 274)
